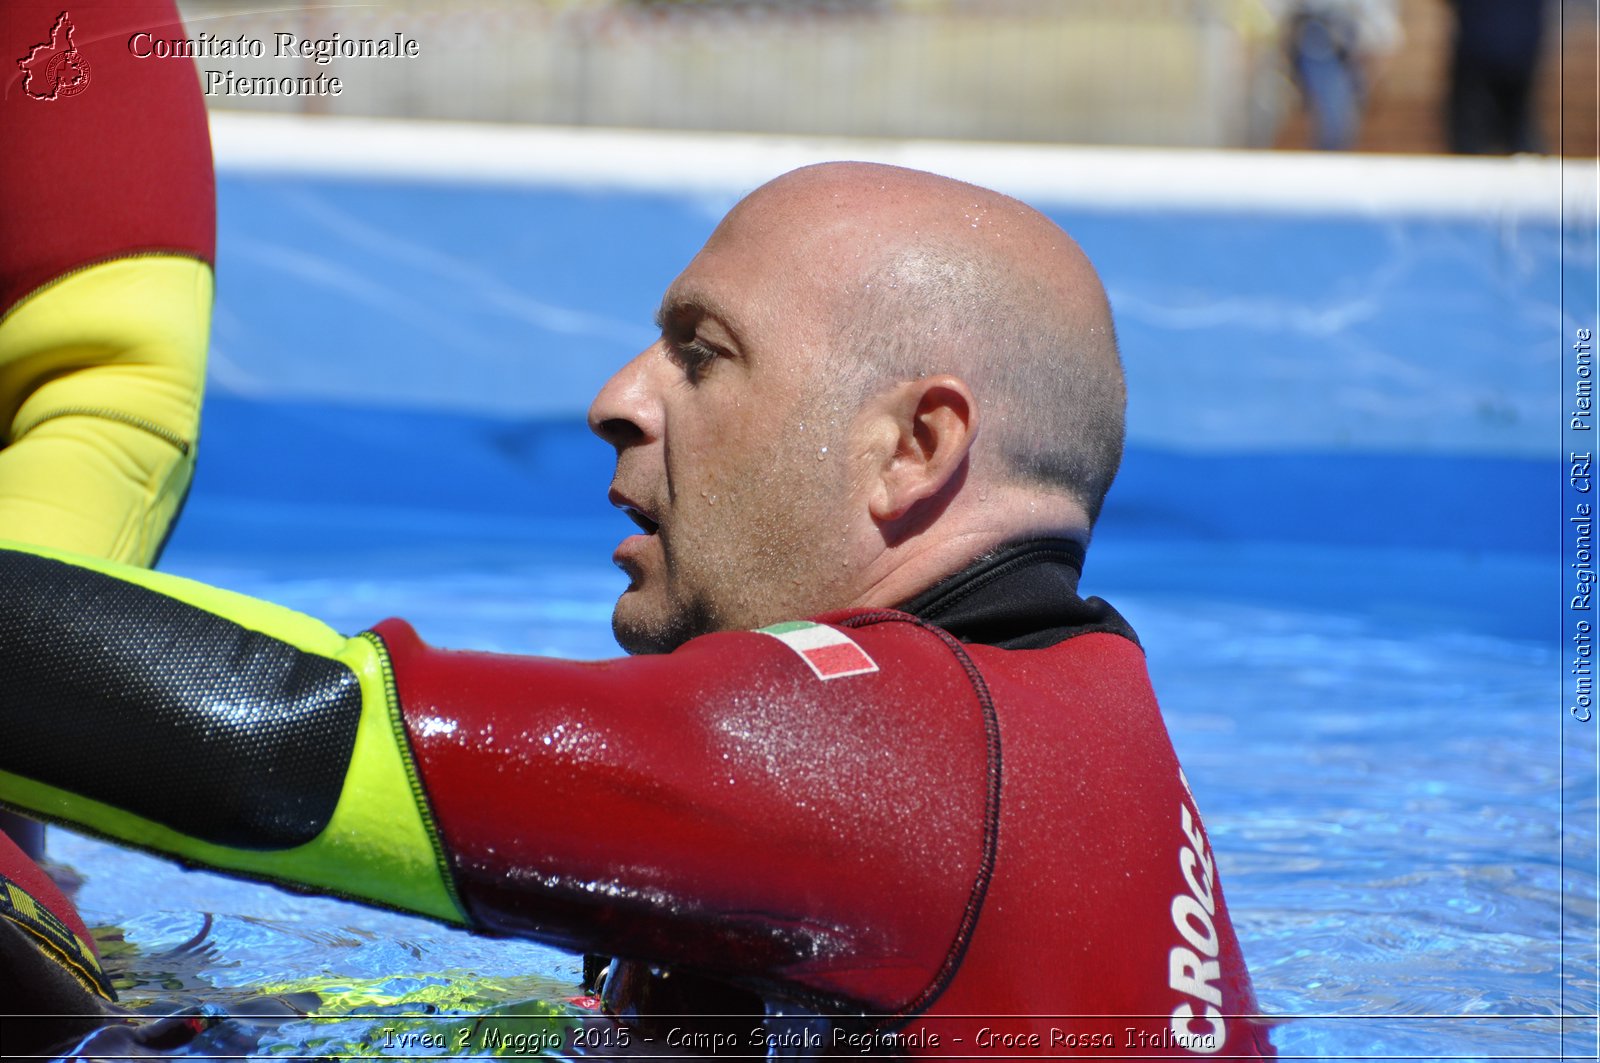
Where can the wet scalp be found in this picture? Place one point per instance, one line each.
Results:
(928, 275)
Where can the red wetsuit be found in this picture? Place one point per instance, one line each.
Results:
(950, 835)
(107, 229)
(957, 830)
(107, 224)
(107, 154)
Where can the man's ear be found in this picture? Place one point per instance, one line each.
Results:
(927, 427)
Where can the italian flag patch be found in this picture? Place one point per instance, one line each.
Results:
(830, 652)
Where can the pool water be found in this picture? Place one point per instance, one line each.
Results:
(1334, 532)
(1383, 786)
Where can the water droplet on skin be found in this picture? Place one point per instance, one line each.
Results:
(822, 454)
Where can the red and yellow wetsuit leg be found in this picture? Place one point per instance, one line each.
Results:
(861, 814)
(107, 230)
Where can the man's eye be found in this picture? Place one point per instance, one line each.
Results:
(695, 357)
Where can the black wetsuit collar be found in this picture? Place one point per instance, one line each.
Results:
(1020, 597)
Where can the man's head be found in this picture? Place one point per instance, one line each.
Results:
(868, 377)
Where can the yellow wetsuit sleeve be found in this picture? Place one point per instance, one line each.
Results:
(101, 374)
(216, 728)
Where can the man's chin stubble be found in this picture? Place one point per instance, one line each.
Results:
(682, 622)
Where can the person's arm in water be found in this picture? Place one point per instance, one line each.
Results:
(107, 233)
(719, 807)
(811, 812)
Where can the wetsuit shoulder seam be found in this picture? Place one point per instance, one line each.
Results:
(991, 818)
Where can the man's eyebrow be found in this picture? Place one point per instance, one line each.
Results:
(679, 306)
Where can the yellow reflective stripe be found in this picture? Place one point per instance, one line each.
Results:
(380, 845)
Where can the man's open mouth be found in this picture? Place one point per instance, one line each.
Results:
(645, 524)
(634, 511)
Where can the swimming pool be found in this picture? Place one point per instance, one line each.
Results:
(1338, 533)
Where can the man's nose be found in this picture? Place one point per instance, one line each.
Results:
(626, 411)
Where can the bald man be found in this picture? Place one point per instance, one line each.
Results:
(877, 779)
(843, 335)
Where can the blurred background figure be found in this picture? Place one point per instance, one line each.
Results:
(1368, 75)
(1493, 73)
(1336, 49)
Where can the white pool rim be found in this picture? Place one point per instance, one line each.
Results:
(1523, 187)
